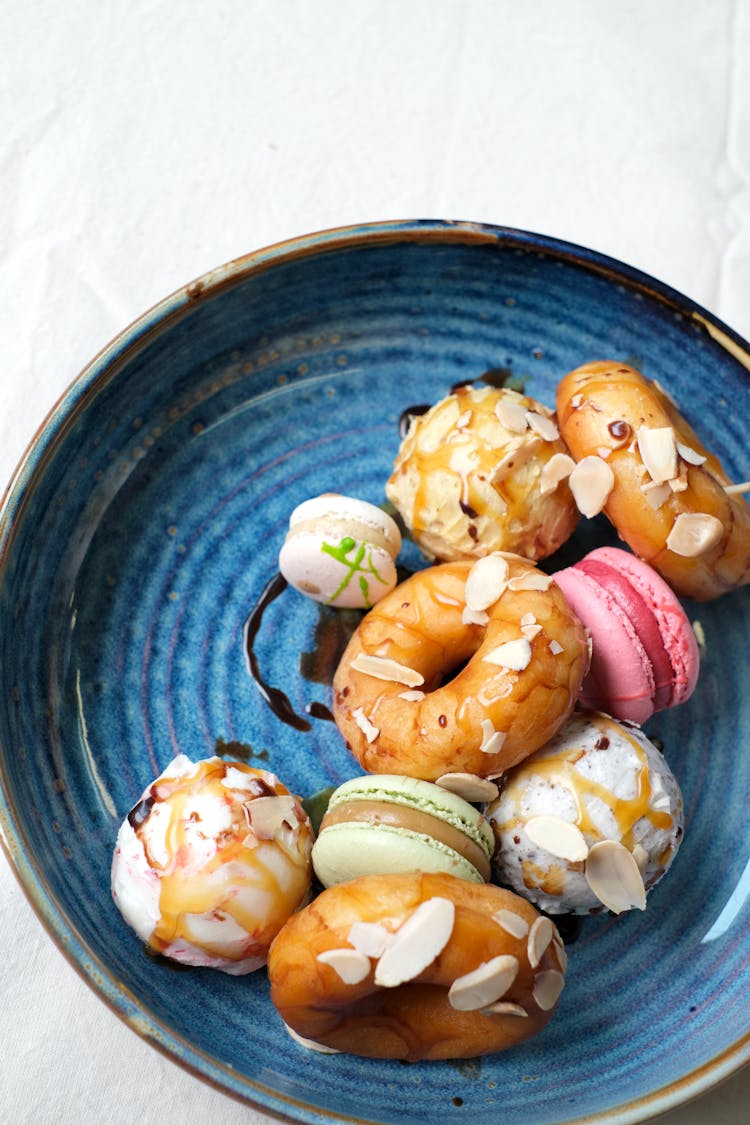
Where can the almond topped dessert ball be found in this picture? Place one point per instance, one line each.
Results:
(591, 821)
(211, 862)
(483, 470)
(640, 462)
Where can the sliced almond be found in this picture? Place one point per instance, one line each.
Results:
(470, 786)
(310, 1044)
(369, 730)
(555, 647)
(559, 466)
(512, 923)
(658, 449)
(613, 876)
(369, 938)
(492, 740)
(348, 964)
(512, 415)
(484, 985)
(687, 453)
(411, 696)
(576, 401)
(383, 668)
(591, 482)
(547, 988)
(267, 814)
(514, 655)
(463, 420)
(517, 452)
(694, 533)
(416, 943)
(680, 482)
(531, 631)
(486, 582)
(558, 837)
(530, 580)
(504, 1008)
(656, 494)
(474, 616)
(562, 957)
(540, 936)
(604, 451)
(528, 619)
(737, 489)
(545, 428)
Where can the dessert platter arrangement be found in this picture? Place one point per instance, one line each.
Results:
(502, 786)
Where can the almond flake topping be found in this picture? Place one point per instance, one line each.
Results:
(517, 452)
(470, 786)
(349, 964)
(369, 938)
(530, 580)
(687, 453)
(463, 420)
(411, 696)
(486, 582)
(591, 482)
(514, 655)
(546, 428)
(416, 943)
(369, 730)
(531, 631)
(680, 482)
(540, 935)
(512, 415)
(492, 740)
(694, 533)
(528, 619)
(486, 984)
(512, 923)
(310, 1044)
(576, 401)
(504, 1008)
(658, 450)
(547, 988)
(613, 876)
(562, 957)
(559, 466)
(268, 814)
(558, 837)
(656, 494)
(555, 647)
(736, 489)
(383, 668)
(474, 616)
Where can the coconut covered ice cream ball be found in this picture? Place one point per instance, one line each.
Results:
(593, 820)
(211, 862)
(484, 470)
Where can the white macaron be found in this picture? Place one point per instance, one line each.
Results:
(341, 551)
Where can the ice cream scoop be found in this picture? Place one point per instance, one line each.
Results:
(341, 551)
(211, 862)
(592, 820)
(391, 824)
(644, 653)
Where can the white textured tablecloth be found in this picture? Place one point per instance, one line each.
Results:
(143, 142)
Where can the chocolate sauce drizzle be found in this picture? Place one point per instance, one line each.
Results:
(276, 699)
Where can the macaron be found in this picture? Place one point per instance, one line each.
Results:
(644, 654)
(389, 824)
(341, 551)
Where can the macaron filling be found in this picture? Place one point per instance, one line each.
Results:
(399, 816)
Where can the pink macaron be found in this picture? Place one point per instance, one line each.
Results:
(644, 652)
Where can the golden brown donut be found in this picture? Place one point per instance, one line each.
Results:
(516, 664)
(672, 508)
(434, 930)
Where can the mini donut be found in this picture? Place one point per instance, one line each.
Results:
(416, 966)
(464, 668)
(483, 470)
(642, 463)
(341, 551)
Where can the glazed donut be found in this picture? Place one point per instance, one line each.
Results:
(416, 966)
(667, 496)
(521, 656)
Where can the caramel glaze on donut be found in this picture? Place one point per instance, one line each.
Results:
(601, 407)
(416, 1019)
(469, 714)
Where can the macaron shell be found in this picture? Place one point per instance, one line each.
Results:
(677, 632)
(346, 851)
(620, 679)
(314, 571)
(333, 506)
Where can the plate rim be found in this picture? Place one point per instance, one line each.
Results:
(93, 376)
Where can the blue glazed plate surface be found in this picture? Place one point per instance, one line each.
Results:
(139, 532)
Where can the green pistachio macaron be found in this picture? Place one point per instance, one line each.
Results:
(389, 824)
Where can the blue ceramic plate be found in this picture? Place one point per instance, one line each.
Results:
(140, 530)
